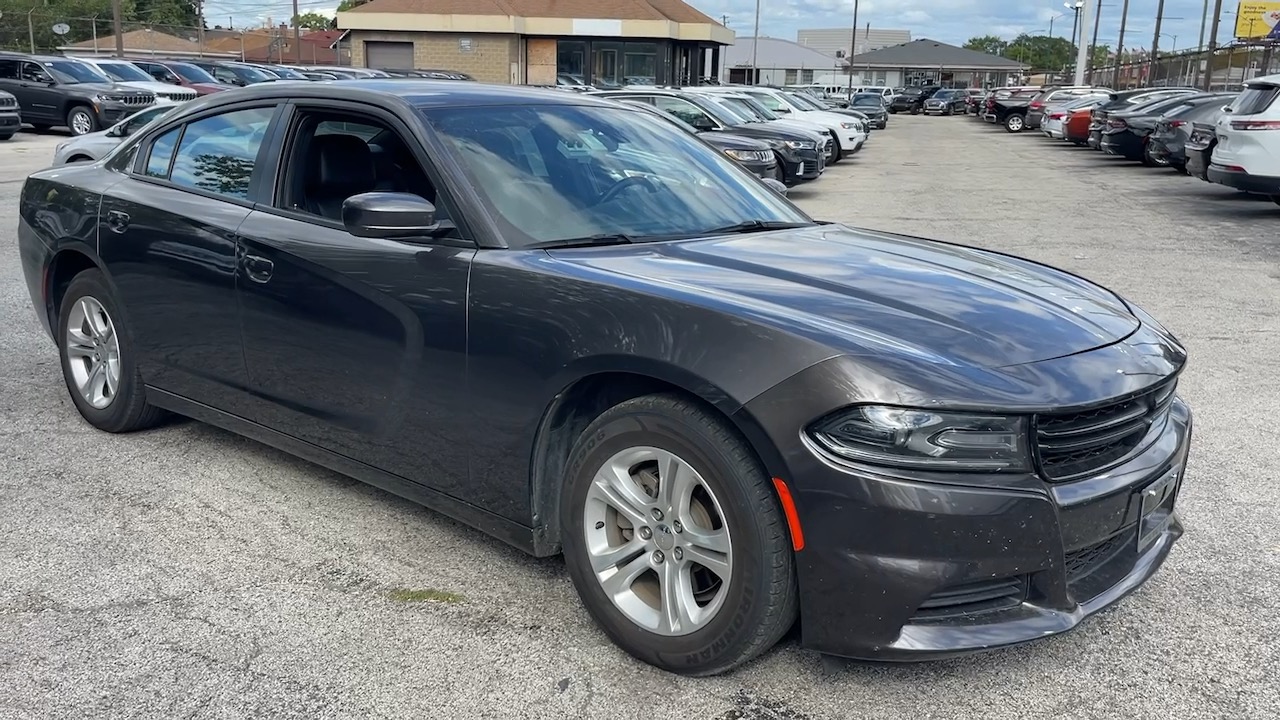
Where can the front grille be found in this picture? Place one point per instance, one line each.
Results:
(1080, 563)
(1069, 445)
(973, 597)
(132, 99)
(178, 97)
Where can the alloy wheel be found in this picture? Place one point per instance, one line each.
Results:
(93, 352)
(81, 122)
(657, 541)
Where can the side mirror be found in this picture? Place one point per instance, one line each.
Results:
(775, 186)
(1226, 108)
(389, 215)
(783, 110)
(703, 123)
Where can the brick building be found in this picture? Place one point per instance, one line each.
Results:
(539, 42)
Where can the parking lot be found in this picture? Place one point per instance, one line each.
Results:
(186, 572)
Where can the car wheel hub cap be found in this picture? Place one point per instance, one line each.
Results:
(80, 123)
(657, 541)
(93, 352)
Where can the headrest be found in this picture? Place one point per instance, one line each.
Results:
(342, 161)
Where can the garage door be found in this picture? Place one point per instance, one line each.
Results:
(393, 55)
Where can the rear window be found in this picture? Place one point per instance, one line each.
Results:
(1255, 99)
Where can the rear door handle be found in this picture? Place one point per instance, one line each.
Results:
(258, 268)
(117, 220)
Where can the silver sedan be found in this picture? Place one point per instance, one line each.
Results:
(93, 146)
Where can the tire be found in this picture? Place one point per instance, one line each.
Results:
(915, 111)
(1015, 123)
(40, 127)
(118, 410)
(1181, 168)
(1275, 199)
(752, 611)
(81, 120)
(1152, 161)
(837, 152)
(893, 111)
(6, 136)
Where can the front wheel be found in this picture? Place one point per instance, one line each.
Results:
(1015, 123)
(81, 120)
(674, 539)
(98, 360)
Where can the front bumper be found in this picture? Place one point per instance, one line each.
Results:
(112, 113)
(901, 569)
(1198, 162)
(1095, 138)
(1123, 143)
(10, 122)
(1262, 184)
(802, 166)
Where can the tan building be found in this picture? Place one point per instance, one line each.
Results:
(539, 42)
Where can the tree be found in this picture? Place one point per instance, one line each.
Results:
(346, 5)
(311, 21)
(989, 44)
(1102, 56)
(1041, 52)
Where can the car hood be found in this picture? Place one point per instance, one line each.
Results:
(209, 88)
(772, 131)
(733, 141)
(868, 293)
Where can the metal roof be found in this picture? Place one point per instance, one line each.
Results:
(926, 53)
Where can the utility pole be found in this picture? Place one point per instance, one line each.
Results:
(853, 50)
(116, 27)
(724, 20)
(297, 37)
(1082, 51)
(200, 26)
(1155, 46)
(755, 44)
(1124, 19)
(31, 31)
(1093, 46)
(1200, 46)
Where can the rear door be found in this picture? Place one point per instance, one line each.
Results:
(169, 240)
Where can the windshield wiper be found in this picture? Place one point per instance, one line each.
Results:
(588, 241)
(751, 226)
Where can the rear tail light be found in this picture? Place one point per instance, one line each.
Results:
(1255, 124)
(1057, 116)
(1117, 123)
(1037, 105)
(1176, 123)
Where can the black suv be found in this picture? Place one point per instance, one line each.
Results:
(59, 91)
(912, 99)
(10, 116)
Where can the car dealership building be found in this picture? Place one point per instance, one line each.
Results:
(535, 41)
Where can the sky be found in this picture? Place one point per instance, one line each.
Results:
(950, 21)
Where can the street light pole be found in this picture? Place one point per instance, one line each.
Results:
(1200, 45)
(1093, 45)
(853, 50)
(755, 43)
(1155, 44)
(1082, 51)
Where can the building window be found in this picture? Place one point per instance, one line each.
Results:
(571, 60)
(789, 78)
(882, 78)
(640, 64)
(806, 77)
(606, 64)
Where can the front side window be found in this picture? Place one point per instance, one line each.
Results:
(31, 72)
(559, 172)
(217, 154)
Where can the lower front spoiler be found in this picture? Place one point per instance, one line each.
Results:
(1024, 624)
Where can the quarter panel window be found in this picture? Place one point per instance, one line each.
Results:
(8, 70)
(217, 154)
(161, 154)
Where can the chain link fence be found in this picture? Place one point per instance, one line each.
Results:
(1226, 68)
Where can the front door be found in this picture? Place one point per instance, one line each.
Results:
(175, 217)
(353, 344)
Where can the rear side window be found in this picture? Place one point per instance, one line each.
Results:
(1255, 99)
(161, 154)
(8, 70)
(218, 153)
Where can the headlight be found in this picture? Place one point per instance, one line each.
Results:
(101, 98)
(749, 155)
(801, 144)
(925, 439)
(853, 125)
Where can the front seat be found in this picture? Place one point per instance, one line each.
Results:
(340, 166)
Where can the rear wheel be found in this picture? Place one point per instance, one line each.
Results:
(99, 365)
(674, 539)
(1015, 123)
(1152, 160)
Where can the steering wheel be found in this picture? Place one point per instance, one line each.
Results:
(623, 184)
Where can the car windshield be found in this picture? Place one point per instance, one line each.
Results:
(805, 101)
(912, 91)
(768, 100)
(124, 72)
(288, 74)
(760, 110)
(191, 73)
(252, 74)
(563, 172)
(71, 72)
(733, 114)
(868, 100)
(740, 107)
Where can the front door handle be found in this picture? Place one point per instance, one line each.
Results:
(117, 220)
(258, 268)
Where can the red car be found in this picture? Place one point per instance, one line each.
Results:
(1075, 129)
(176, 72)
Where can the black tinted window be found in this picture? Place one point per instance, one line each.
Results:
(161, 154)
(8, 70)
(217, 154)
(1255, 100)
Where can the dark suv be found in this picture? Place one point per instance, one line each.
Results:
(10, 116)
(912, 99)
(58, 91)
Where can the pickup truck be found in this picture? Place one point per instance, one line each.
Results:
(1009, 107)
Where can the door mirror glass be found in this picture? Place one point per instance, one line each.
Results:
(389, 215)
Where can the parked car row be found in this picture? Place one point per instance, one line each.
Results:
(87, 94)
(1222, 137)
(783, 135)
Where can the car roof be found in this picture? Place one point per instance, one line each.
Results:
(422, 93)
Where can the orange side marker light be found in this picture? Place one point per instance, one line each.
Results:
(789, 510)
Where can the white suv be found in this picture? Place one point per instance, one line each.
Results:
(130, 75)
(1247, 156)
(849, 132)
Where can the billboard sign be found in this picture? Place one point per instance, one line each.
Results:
(1258, 20)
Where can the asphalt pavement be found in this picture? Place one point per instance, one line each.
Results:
(186, 572)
